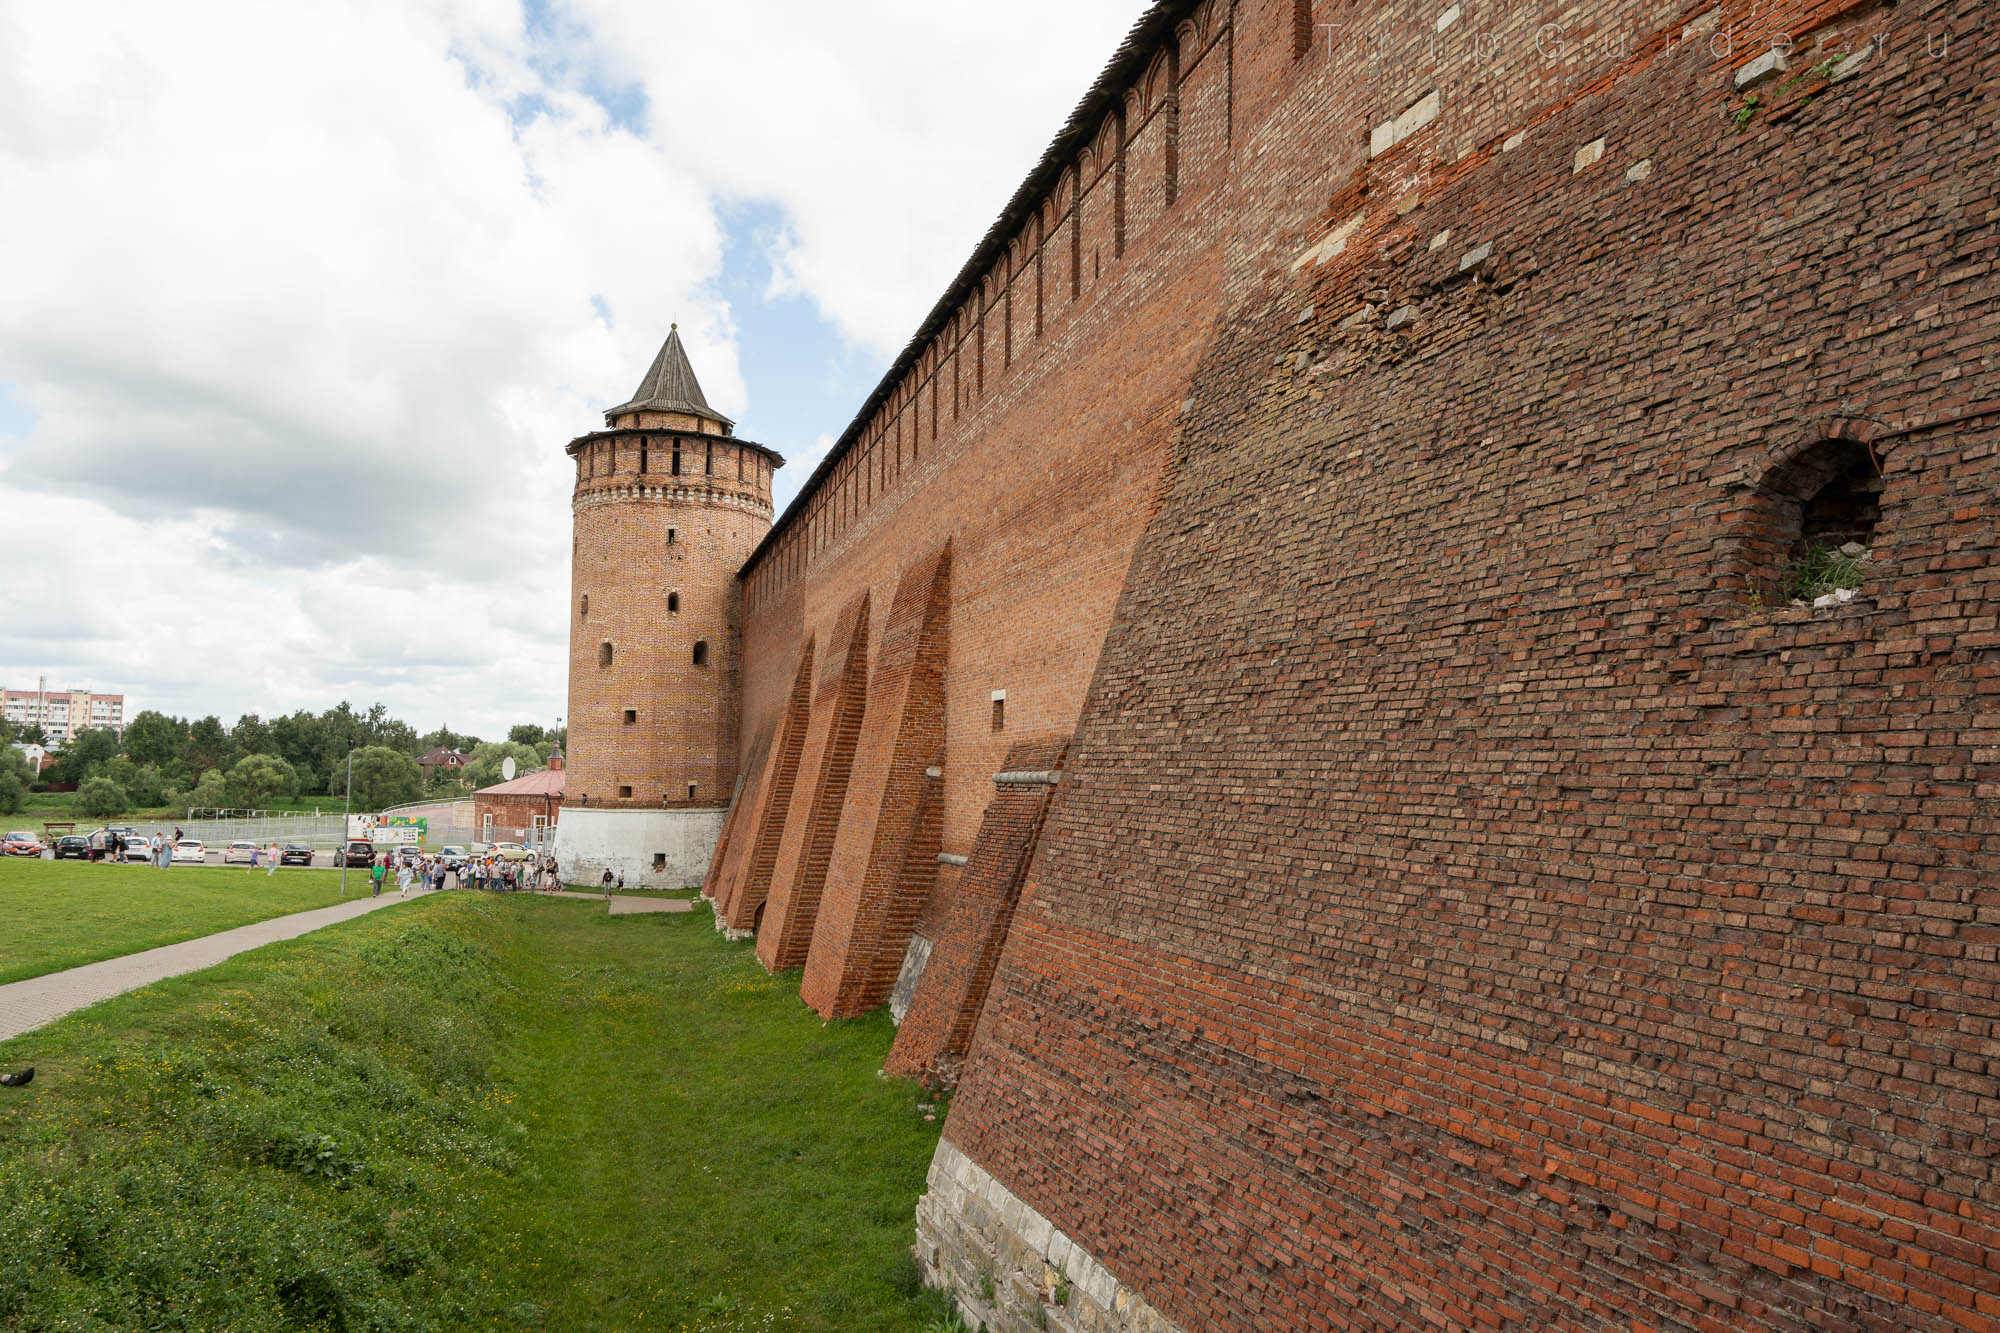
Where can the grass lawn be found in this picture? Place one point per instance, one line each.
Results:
(465, 1112)
(58, 914)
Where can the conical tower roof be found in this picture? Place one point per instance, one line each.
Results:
(670, 386)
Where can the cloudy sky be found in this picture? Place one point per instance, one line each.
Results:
(300, 302)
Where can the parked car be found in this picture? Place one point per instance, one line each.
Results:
(73, 847)
(453, 856)
(136, 849)
(355, 853)
(295, 854)
(409, 854)
(20, 844)
(190, 852)
(239, 853)
(510, 851)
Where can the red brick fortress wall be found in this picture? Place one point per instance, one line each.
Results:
(1476, 896)
(948, 575)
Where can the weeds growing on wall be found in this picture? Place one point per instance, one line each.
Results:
(1820, 570)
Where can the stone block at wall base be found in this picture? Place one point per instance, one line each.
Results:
(628, 843)
(1008, 1267)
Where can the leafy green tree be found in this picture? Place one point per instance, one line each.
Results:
(148, 786)
(482, 767)
(156, 739)
(448, 739)
(210, 793)
(86, 752)
(101, 798)
(445, 782)
(207, 745)
(384, 777)
(15, 775)
(258, 778)
(250, 735)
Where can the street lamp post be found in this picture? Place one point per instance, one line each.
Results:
(346, 813)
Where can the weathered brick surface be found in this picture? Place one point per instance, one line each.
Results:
(970, 925)
(813, 818)
(1475, 900)
(884, 858)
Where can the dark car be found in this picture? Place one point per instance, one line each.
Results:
(295, 854)
(355, 854)
(73, 847)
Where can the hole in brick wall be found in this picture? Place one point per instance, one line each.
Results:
(672, 536)
(583, 606)
(1819, 525)
(604, 654)
(673, 603)
(999, 714)
(690, 791)
(677, 458)
(631, 716)
(624, 793)
(701, 652)
(710, 466)
(642, 453)
(659, 860)
(1302, 27)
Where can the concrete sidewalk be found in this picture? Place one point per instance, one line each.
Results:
(27, 1005)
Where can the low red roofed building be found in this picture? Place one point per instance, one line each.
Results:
(511, 811)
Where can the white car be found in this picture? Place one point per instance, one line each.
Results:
(190, 852)
(136, 849)
(238, 853)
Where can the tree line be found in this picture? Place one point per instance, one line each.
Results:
(182, 763)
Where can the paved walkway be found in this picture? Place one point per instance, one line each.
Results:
(623, 904)
(27, 1005)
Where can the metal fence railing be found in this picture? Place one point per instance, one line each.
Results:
(447, 823)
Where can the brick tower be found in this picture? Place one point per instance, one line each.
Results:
(668, 505)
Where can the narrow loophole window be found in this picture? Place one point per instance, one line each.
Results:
(690, 791)
(672, 536)
(999, 714)
(673, 603)
(677, 458)
(701, 652)
(583, 606)
(631, 716)
(604, 654)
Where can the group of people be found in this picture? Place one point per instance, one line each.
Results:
(105, 845)
(429, 873)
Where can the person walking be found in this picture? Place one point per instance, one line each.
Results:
(272, 855)
(380, 871)
(403, 879)
(166, 853)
